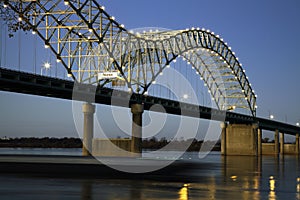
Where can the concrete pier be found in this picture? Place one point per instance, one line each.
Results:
(297, 144)
(112, 147)
(282, 148)
(246, 139)
(276, 139)
(137, 123)
(223, 138)
(241, 139)
(281, 143)
(88, 128)
(259, 142)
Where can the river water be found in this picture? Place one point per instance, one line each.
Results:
(214, 177)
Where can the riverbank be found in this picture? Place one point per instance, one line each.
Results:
(147, 144)
(45, 142)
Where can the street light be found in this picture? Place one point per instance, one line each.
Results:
(270, 115)
(185, 96)
(297, 124)
(46, 66)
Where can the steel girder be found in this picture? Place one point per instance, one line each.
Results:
(87, 40)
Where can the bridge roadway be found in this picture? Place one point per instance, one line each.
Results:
(33, 84)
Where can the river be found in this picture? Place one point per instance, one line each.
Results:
(215, 177)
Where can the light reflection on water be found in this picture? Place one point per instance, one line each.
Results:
(272, 194)
(215, 177)
(184, 192)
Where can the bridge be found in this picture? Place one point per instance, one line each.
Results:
(99, 54)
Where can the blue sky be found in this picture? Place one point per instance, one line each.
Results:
(263, 34)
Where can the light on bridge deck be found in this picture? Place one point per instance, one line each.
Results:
(231, 108)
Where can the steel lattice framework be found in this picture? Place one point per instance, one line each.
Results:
(87, 40)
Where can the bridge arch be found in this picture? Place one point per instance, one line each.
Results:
(82, 31)
(213, 60)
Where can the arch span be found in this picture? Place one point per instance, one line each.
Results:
(87, 40)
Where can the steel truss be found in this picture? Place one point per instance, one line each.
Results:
(87, 40)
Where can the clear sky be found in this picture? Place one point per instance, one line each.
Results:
(264, 34)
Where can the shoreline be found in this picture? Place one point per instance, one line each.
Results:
(68, 143)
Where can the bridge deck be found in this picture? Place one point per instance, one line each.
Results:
(26, 83)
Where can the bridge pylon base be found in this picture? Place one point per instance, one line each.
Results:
(88, 110)
(137, 119)
(240, 139)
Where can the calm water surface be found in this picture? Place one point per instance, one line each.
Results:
(214, 177)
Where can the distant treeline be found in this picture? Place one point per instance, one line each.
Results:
(45, 142)
(190, 144)
(151, 143)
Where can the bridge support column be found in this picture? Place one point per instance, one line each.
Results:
(297, 144)
(223, 138)
(241, 139)
(137, 123)
(276, 139)
(282, 143)
(259, 142)
(88, 128)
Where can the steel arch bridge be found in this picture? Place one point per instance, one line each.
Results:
(87, 40)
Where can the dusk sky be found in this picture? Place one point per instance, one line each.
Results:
(263, 34)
